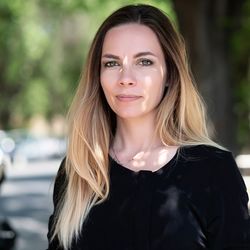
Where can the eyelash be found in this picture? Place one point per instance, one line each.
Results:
(107, 64)
(142, 62)
(148, 62)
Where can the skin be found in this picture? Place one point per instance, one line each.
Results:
(133, 72)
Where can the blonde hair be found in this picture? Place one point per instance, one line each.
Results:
(181, 120)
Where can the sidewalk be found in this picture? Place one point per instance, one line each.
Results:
(26, 200)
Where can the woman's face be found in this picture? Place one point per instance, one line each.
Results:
(133, 70)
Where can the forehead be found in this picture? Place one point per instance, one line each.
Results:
(132, 38)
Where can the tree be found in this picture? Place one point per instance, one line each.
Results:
(43, 44)
(207, 27)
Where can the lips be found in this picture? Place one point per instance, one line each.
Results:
(128, 98)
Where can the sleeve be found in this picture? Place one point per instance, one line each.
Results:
(229, 223)
(57, 193)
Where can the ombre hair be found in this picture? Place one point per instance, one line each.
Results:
(181, 119)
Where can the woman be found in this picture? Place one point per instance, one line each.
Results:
(141, 171)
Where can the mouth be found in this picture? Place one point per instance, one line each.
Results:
(128, 98)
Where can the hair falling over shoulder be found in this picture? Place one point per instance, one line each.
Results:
(181, 119)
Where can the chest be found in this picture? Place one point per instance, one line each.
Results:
(145, 217)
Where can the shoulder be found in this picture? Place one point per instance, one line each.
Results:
(59, 187)
(60, 182)
(216, 164)
(211, 157)
(61, 173)
(204, 151)
(204, 157)
(211, 163)
(214, 157)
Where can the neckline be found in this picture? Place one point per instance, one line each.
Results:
(160, 170)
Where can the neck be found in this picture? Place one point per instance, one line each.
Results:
(135, 135)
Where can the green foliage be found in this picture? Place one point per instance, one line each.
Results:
(43, 44)
(240, 47)
(36, 98)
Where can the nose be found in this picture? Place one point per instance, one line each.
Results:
(127, 77)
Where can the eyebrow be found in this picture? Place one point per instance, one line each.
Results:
(146, 53)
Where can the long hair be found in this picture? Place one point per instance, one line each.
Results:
(181, 119)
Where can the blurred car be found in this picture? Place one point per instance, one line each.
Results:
(23, 147)
(8, 142)
(4, 164)
(40, 148)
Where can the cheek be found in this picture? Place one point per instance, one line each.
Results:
(108, 81)
(156, 94)
(105, 82)
(107, 89)
(109, 76)
(107, 92)
(154, 85)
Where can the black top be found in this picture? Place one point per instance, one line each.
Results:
(198, 200)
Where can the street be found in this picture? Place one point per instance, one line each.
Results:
(26, 200)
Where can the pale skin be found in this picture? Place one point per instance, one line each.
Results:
(133, 76)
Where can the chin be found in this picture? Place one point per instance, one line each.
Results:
(133, 115)
(129, 115)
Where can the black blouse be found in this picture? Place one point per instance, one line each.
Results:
(198, 200)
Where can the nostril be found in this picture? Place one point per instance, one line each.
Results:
(127, 83)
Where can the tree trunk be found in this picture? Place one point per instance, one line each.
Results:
(203, 26)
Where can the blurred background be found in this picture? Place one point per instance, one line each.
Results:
(43, 45)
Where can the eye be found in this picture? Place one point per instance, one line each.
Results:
(145, 62)
(110, 64)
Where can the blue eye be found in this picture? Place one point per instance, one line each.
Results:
(110, 64)
(145, 62)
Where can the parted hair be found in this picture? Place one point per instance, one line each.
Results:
(181, 119)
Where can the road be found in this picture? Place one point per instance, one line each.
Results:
(26, 199)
